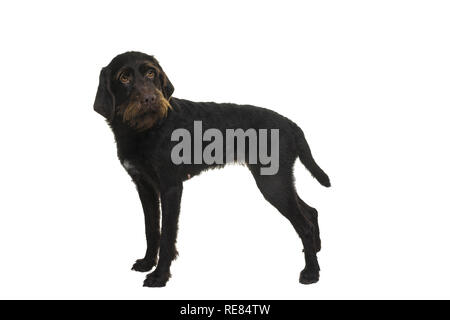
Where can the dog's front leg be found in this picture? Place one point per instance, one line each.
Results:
(152, 215)
(170, 200)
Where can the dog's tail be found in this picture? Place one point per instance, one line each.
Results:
(307, 159)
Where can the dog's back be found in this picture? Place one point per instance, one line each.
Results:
(229, 116)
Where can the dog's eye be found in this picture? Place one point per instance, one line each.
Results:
(150, 74)
(124, 77)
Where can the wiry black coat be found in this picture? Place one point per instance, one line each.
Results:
(146, 155)
(152, 148)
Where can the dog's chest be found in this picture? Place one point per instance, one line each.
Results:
(130, 167)
(138, 171)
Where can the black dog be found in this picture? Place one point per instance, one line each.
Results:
(135, 96)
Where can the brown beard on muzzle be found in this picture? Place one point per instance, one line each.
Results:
(141, 117)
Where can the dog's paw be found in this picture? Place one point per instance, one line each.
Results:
(143, 265)
(309, 276)
(155, 280)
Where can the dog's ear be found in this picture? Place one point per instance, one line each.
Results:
(104, 100)
(166, 85)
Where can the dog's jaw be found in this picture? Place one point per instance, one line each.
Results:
(142, 118)
(145, 121)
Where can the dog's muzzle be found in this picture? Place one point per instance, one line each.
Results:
(150, 102)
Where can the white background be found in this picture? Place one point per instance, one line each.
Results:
(368, 81)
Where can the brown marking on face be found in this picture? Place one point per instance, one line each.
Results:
(151, 65)
(146, 63)
(118, 73)
(140, 117)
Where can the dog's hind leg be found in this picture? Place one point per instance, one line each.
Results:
(170, 201)
(312, 215)
(279, 190)
(150, 204)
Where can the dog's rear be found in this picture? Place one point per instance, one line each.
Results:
(304, 153)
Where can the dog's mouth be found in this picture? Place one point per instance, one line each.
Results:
(138, 110)
(152, 108)
(144, 115)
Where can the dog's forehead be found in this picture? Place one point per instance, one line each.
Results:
(133, 60)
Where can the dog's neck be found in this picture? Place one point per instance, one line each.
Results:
(121, 129)
(128, 139)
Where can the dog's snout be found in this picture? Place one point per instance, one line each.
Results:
(150, 98)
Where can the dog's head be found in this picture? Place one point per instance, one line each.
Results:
(135, 89)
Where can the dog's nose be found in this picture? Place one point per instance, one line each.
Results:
(150, 99)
